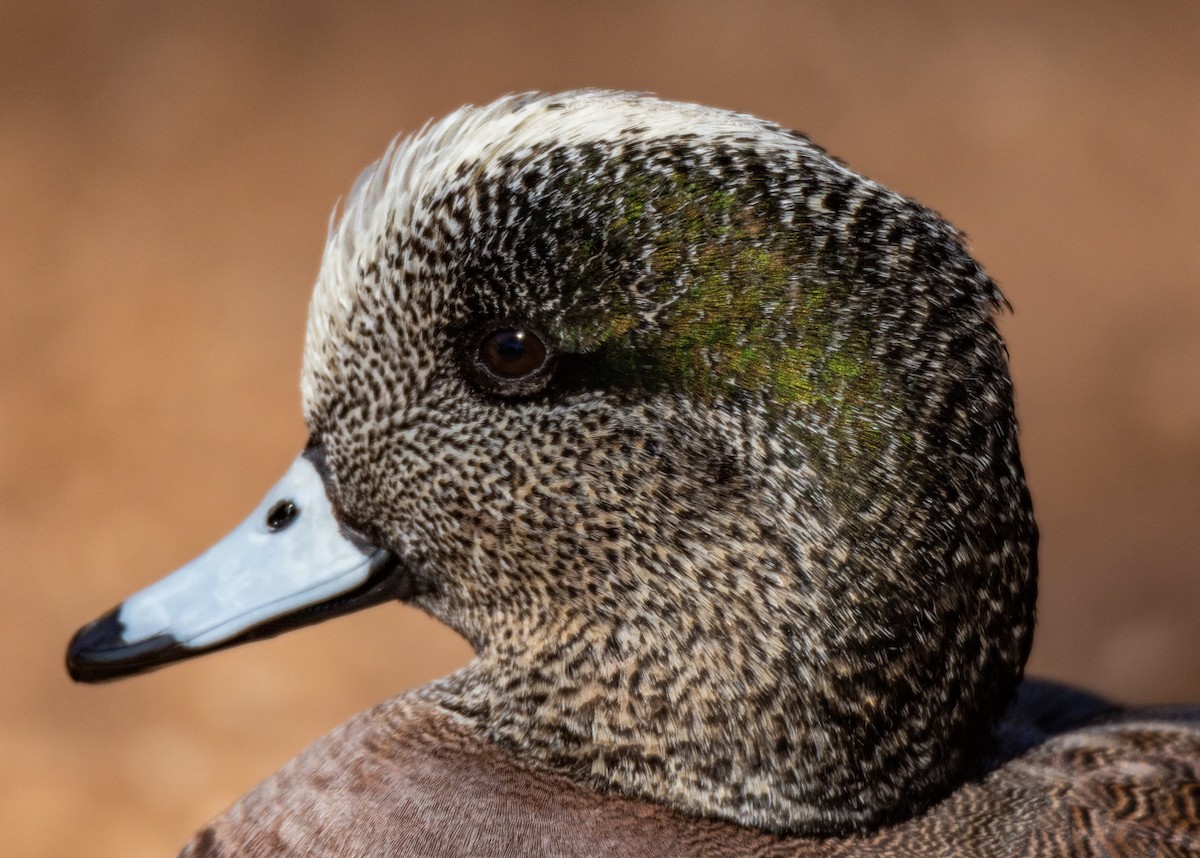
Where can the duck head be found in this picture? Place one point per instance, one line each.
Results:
(705, 443)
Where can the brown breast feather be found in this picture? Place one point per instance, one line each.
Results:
(407, 780)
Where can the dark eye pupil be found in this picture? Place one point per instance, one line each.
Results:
(281, 515)
(510, 347)
(512, 353)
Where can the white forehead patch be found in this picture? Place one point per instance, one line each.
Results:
(389, 192)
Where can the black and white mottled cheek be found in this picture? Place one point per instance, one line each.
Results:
(769, 484)
(706, 443)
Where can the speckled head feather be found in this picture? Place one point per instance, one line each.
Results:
(756, 543)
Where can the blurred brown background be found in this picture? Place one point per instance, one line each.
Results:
(166, 175)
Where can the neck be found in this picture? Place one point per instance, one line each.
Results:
(756, 751)
(764, 656)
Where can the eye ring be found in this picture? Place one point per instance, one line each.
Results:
(512, 353)
(510, 358)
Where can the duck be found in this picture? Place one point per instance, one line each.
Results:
(707, 445)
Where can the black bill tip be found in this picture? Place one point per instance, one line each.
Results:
(99, 652)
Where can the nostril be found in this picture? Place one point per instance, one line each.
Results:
(281, 515)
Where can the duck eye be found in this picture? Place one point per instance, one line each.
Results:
(512, 353)
(281, 515)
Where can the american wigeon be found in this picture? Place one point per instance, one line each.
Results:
(707, 445)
